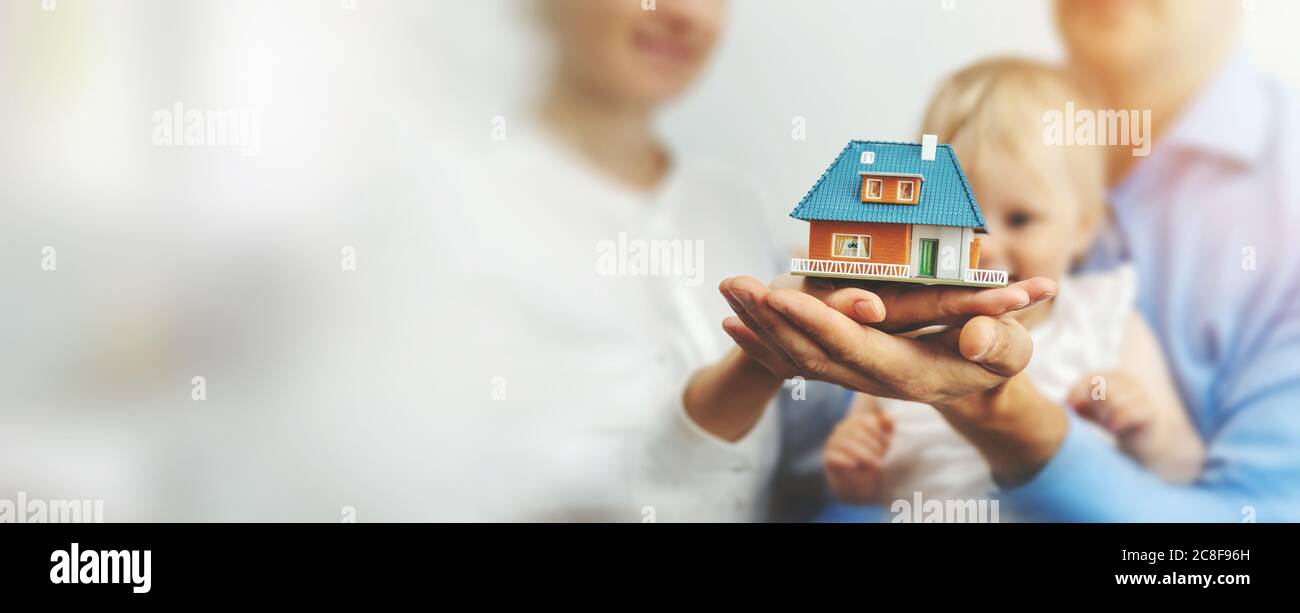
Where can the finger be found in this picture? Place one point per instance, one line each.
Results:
(860, 450)
(1127, 417)
(1081, 392)
(870, 436)
(726, 289)
(1002, 346)
(910, 307)
(886, 420)
(1092, 412)
(1085, 410)
(843, 340)
(1088, 412)
(866, 422)
(838, 460)
(907, 306)
(777, 331)
(874, 437)
(772, 327)
(774, 361)
(858, 304)
(1038, 288)
(862, 405)
(1003, 349)
(1106, 413)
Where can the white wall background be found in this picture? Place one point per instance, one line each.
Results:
(782, 59)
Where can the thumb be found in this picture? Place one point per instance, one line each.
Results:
(886, 421)
(1001, 345)
(1081, 393)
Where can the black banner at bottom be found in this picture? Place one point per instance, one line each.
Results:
(164, 561)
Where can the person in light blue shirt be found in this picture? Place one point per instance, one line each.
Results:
(1211, 220)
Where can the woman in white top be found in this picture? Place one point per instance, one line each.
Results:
(585, 261)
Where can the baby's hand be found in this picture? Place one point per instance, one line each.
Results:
(855, 452)
(1120, 404)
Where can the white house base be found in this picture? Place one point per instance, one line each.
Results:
(834, 269)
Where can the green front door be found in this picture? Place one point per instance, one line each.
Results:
(929, 257)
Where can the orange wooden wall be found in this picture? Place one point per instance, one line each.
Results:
(890, 193)
(890, 242)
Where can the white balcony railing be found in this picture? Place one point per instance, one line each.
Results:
(857, 269)
(975, 275)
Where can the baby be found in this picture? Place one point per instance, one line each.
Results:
(1043, 205)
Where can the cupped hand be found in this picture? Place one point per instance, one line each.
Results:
(855, 337)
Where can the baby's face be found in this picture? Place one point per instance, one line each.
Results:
(1032, 213)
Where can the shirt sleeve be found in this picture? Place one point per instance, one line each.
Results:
(702, 477)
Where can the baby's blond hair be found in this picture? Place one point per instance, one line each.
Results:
(1001, 103)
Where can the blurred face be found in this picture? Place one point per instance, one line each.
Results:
(1035, 221)
(624, 51)
(1112, 36)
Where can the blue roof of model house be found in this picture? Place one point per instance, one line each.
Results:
(946, 197)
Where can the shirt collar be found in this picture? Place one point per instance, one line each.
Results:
(1229, 119)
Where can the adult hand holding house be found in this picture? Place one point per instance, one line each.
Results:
(808, 328)
(903, 217)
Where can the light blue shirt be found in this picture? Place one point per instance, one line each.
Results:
(1211, 220)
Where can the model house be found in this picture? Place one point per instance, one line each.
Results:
(895, 212)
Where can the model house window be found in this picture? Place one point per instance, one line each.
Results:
(852, 246)
(906, 191)
(873, 190)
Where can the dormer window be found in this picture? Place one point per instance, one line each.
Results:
(906, 191)
(890, 187)
(873, 189)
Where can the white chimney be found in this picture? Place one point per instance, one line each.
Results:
(929, 143)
